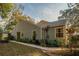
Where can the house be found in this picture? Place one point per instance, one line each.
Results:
(53, 30)
(25, 29)
(42, 30)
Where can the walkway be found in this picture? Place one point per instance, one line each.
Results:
(48, 51)
(39, 47)
(31, 45)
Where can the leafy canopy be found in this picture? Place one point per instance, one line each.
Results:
(5, 8)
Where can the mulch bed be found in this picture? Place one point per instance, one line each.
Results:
(4, 41)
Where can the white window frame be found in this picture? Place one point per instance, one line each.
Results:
(56, 32)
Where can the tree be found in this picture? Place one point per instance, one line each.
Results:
(72, 15)
(5, 8)
(72, 25)
(13, 17)
(16, 17)
(13, 13)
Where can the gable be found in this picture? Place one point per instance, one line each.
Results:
(42, 24)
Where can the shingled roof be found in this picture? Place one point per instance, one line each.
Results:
(57, 23)
(51, 24)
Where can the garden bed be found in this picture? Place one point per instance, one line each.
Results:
(4, 41)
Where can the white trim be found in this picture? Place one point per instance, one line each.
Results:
(55, 33)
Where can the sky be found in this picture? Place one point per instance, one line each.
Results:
(44, 11)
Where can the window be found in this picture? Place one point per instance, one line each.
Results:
(59, 32)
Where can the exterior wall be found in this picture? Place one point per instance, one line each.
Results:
(26, 29)
(52, 32)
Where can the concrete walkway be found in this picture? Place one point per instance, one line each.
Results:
(49, 51)
(31, 45)
(36, 46)
(43, 48)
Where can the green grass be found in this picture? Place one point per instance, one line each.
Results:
(14, 49)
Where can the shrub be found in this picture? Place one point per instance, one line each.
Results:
(21, 40)
(4, 40)
(37, 42)
(42, 42)
(54, 43)
(61, 43)
(73, 40)
(10, 37)
(25, 40)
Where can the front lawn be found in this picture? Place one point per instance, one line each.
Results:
(14, 49)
